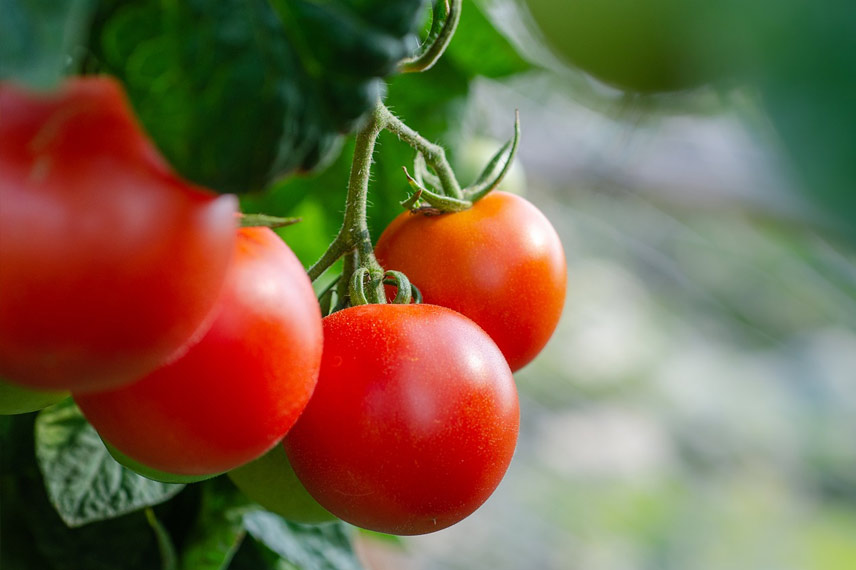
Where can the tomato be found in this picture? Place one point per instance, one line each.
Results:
(17, 400)
(500, 263)
(153, 474)
(232, 396)
(413, 422)
(271, 482)
(637, 45)
(110, 263)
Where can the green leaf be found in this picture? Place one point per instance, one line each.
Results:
(239, 92)
(308, 547)
(38, 37)
(126, 542)
(478, 48)
(83, 482)
(218, 531)
(34, 536)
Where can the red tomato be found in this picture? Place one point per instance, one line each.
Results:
(109, 263)
(413, 422)
(236, 392)
(499, 263)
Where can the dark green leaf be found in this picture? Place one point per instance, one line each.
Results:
(218, 531)
(308, 547)
(83, 482)
(237, 93)
(32, 535)
(37, 38)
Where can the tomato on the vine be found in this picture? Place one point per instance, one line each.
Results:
(500, 263)
(413, 422)
(271, 482)
(110, 263)
(232, 396)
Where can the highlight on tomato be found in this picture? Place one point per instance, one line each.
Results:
(233, 395)
(500, 263)
(414, 420)
(110, 262)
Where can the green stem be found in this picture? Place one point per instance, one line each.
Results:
(334, 251)
(445, 18)
(435, 155)
(354, 234)
(343, 291)
(169, 558)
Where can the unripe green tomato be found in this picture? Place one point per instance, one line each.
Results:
(17, 400)
(271, 482)
(474, 155)
(150, 473)
(636, 45)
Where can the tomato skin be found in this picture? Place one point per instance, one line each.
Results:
(500, 263)
(153, 474)
(232, 396)
(413, 422)
(110, 263)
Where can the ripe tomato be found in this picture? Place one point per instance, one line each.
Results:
(271, 482)
(110, 263)
(413, 423)
(638, 45)
(499, 263)
(236, 392)
(17, 400)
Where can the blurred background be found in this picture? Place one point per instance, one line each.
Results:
(696, 408)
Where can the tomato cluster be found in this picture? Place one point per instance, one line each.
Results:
(195, 347)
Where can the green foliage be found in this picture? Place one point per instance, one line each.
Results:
(83, 482)
(217, 531)
(479, 49)
(34, 535)
(308, 547)
(283, 79)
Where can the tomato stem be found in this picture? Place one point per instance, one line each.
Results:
(354, 234)
(399, 280)
(485, 183)
(445, 16)
(435, 155)
(354, 240)
(422, 174)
